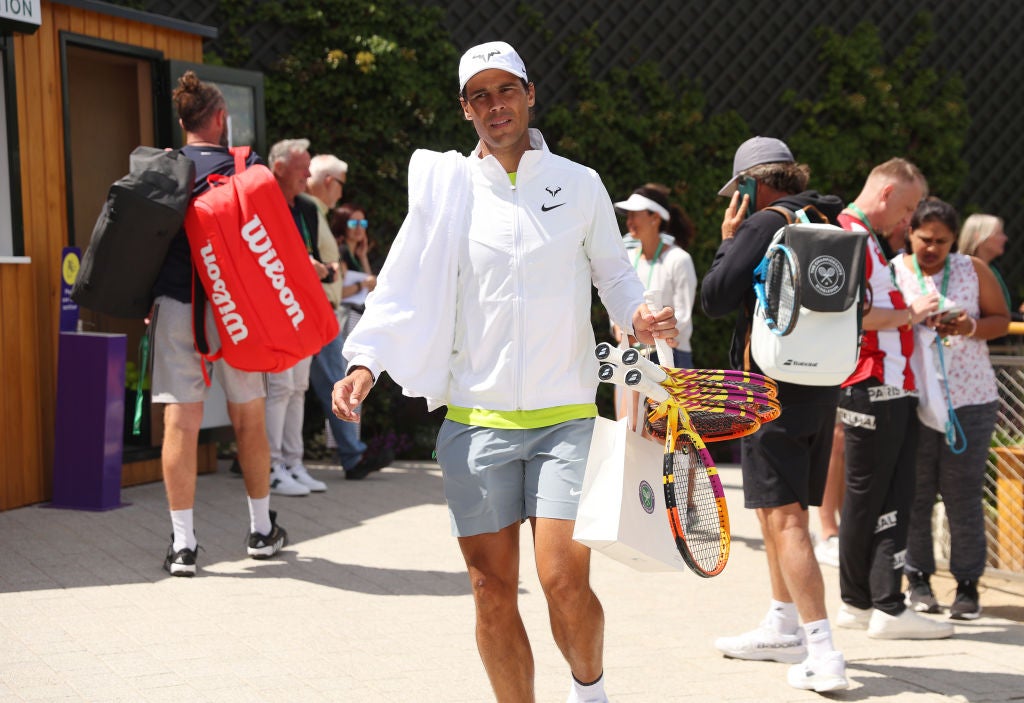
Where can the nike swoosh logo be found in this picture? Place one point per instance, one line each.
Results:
(571, 491)
(548, 208)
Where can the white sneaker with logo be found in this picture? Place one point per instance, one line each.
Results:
(853, 618)
(301, 474)
(764, 644)
(282, 483)
(819, 674)
(908, 625)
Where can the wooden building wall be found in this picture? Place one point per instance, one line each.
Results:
(30, 293)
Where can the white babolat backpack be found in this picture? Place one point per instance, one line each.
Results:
(822, 342)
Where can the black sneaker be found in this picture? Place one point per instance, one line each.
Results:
(266, 546)
(965, 605)
(369, 463)
(920, 597)
(182, 562)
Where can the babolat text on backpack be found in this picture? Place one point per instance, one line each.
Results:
(821, 347)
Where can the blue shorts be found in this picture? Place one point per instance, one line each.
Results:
(494, 478)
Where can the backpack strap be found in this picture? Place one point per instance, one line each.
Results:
(784, 211)
(241, 154)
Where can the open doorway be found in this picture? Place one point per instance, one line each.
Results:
(109, 109)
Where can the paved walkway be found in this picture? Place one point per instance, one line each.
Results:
(370, 603)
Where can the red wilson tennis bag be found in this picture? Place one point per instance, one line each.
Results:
(270, 308)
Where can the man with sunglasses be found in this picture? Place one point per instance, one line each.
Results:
(785, 463)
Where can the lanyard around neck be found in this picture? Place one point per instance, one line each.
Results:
(920, 278)
(657, 253)
(852, 207)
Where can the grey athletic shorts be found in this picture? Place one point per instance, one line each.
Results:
(178, 368)
(494, 478)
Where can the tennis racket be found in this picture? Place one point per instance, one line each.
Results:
(685, 377)
(694, 498)
(715, 420)
(777, 287)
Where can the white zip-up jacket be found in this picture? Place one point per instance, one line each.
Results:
(499, 278)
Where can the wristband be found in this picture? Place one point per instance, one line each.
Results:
(910, 318)
(974, 326)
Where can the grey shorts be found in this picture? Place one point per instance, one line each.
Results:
(178, 368)
(494, 478)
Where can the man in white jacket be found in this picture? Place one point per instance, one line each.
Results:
(490, 276)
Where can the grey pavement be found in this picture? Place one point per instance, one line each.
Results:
(370, 603)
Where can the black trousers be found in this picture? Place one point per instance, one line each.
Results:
(881, 443)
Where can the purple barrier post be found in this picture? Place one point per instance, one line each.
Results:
(89, 436)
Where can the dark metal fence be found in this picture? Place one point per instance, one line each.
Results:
(744, 54)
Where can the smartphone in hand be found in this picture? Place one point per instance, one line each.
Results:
(747, 185)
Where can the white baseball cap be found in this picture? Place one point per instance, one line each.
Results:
(754, 152)
(493, 54)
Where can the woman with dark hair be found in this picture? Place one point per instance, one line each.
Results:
(349, 224)
(659, 233)
(951, 362)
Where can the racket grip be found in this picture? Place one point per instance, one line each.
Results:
(636, 380)
(607, 353)
(648, 367)
(611, 373)
(653, 299)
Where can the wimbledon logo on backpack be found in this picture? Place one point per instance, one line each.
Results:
(255, 235)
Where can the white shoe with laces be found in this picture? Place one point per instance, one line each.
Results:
(282, 483)
(764, 644)
(819, 674)
(301, 474)
(908, 625)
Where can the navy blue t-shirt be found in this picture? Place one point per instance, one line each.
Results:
(175, 279)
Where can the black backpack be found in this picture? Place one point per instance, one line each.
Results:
(143, 212)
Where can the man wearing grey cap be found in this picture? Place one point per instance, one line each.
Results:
(491, 276)
(784, 464)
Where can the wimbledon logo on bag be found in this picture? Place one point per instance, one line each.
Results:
(255, 234)
(647, 497)
(826, 274)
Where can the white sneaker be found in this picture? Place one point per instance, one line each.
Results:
(283, 483)
(764, 644)
(301, 474)
(908, 625)
(827, 551)
(819, 674)
(853, 618)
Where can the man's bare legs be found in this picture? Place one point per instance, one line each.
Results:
(249, 421)
(179, 453)
(577, 619)
(792, 568)
(493, 563)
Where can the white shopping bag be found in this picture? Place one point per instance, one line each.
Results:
(622, 510)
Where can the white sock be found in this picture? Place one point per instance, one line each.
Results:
(184, 532)
(819, 638)
(783, 617)
(259, 515)
(589, 693)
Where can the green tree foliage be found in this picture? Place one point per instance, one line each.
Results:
(864, 111)
(635, 127)
(368, 82)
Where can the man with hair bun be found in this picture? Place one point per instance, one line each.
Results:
(178, 368)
